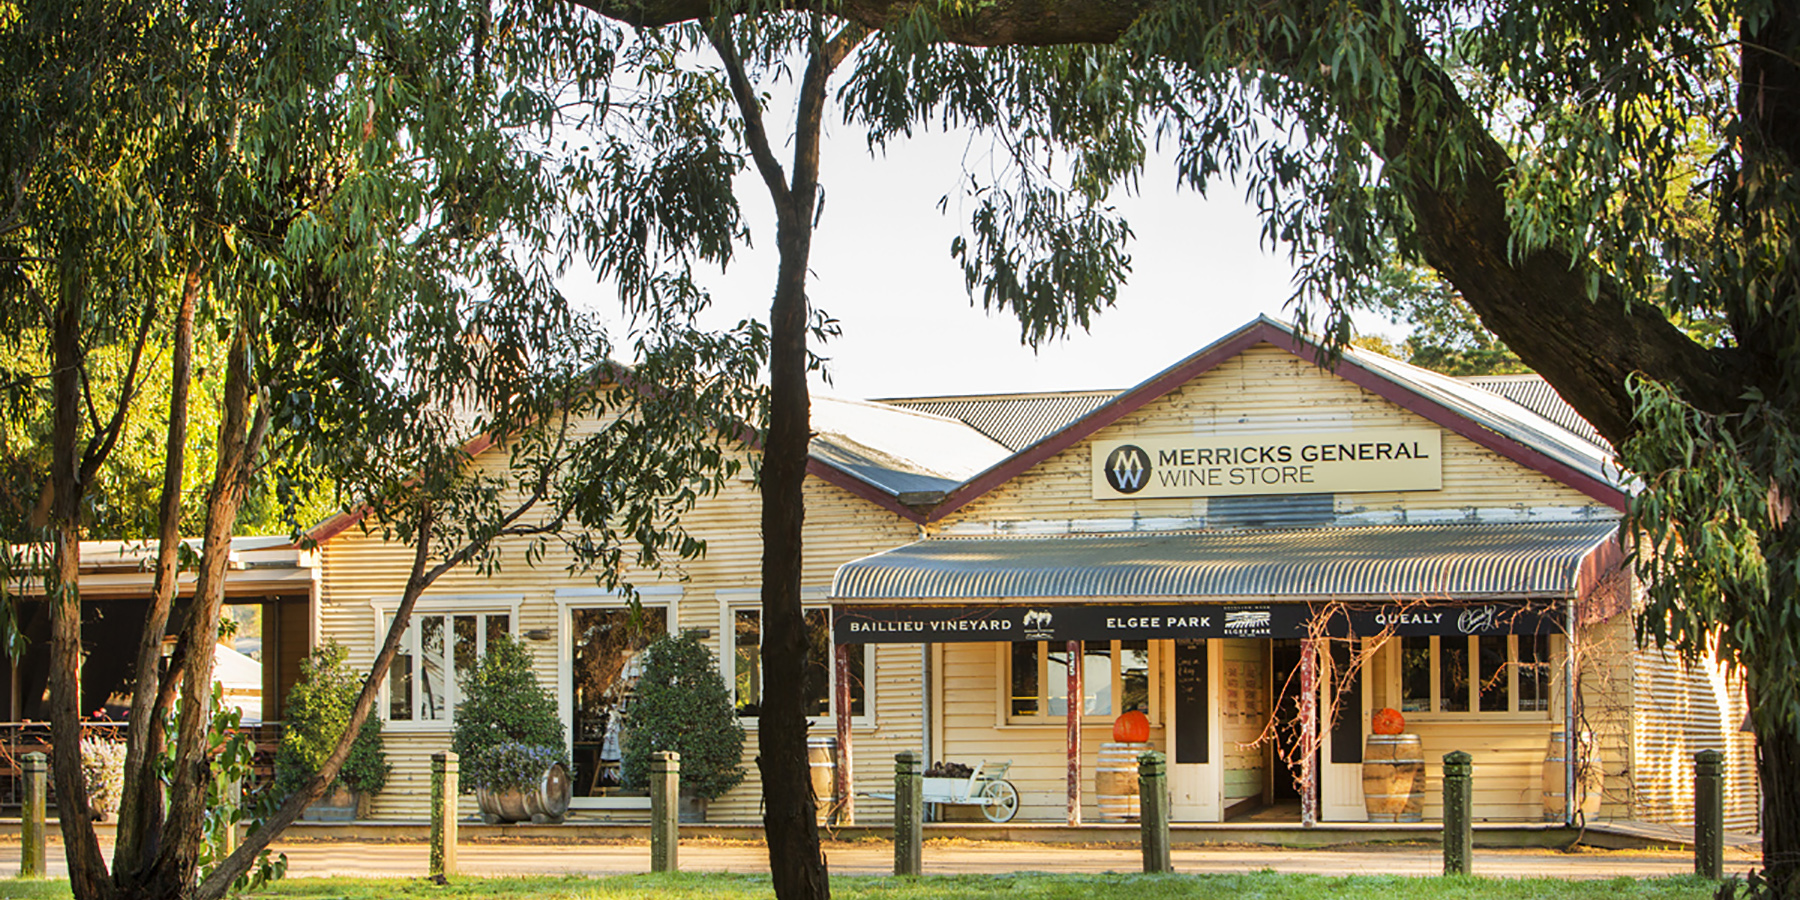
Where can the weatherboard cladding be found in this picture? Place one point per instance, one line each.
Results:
(1536, 559)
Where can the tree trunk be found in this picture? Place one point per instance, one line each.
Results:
(140, 807)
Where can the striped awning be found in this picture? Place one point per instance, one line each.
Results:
(1548, 559)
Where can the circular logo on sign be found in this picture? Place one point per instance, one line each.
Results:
(1128, 469)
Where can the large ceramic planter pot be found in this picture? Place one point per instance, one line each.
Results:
(544, 803)
(339, 804)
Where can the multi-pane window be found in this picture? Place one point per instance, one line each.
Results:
(1115, 678)
(816, 682)
(1493, 673)
(437, 650)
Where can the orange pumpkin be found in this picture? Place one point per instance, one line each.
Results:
(1388, 721)
(1132, 728)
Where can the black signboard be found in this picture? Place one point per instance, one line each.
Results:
(857, 624)
(1191, 696)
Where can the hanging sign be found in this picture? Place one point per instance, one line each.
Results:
(1363, 460)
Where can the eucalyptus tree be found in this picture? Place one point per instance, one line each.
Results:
(364, 205)
(1539, 154)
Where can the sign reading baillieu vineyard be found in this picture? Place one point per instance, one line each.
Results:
(1360, 461)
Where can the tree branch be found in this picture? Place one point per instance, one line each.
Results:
(719, 33)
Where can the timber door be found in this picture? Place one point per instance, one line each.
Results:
(1194, 742)
(1343, 721)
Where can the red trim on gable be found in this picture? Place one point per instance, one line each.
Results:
(1259, 332)
(832, 475)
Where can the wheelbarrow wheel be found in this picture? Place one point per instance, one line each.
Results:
(1000, 801)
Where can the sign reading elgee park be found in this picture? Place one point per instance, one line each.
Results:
(1393, 459)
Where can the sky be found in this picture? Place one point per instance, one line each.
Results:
(881, 266)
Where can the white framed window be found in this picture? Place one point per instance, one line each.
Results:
(1116, 677)
(742, 630)
(1492, 674)
(442, 643)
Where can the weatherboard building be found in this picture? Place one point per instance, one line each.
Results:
(1256, 553)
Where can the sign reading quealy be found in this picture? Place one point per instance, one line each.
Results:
(1392, 459)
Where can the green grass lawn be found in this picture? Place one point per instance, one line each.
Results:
(1255, 886)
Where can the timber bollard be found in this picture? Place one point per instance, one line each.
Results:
(1153, 811)
(31, 819)
(665, 811)
(233, 797)
(444, 772)
(909, 813)
(1709, 814)
(1459, 832)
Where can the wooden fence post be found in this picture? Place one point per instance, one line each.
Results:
(1459, 834)
(444, 773)
(909, 813)
(31, 819)
(1153, 811)
(1709, 814)
(665, 811)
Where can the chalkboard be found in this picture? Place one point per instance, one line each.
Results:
(1192, 702)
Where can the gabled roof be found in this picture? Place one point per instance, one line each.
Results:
(1487, 419)
(1536, 394)
(902, 455)
(1015, 420)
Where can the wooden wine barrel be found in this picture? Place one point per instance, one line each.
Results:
(1116, 781)
(1394, 778)
(821, 753)
(1588, 780)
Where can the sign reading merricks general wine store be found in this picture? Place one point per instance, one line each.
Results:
(1360, 461)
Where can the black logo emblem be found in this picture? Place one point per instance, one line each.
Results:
(1128, 469)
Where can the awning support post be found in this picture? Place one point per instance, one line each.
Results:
(844, 787)
(1571, 738)
(1309, 732)
(1075, 704)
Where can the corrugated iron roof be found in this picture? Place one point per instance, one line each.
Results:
(1536, 394)
(898, 451)
(1499, 414)
(1015, 420)
(1417, 561)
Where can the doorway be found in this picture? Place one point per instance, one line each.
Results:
(1282, 789)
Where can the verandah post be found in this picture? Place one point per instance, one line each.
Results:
(844, 804)
(1309, 732)
(1076, 703)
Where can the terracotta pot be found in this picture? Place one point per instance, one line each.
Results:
(544, 803)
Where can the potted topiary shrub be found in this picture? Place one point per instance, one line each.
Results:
(510, 739)
(681, 704)
(316, 713)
